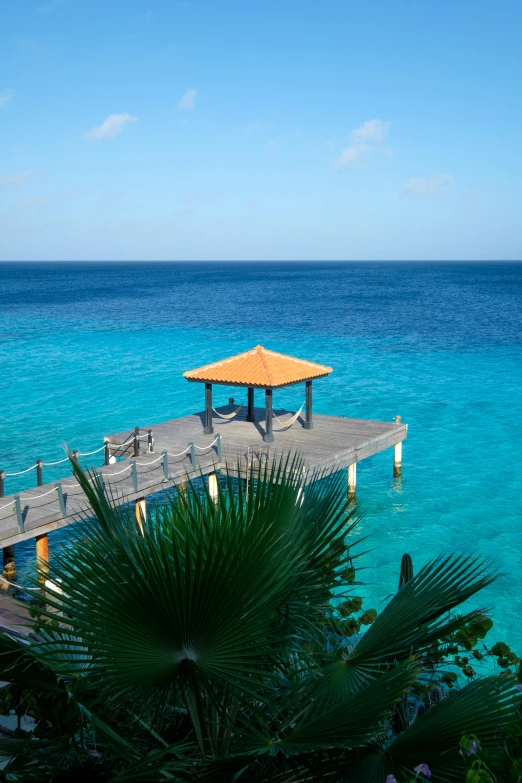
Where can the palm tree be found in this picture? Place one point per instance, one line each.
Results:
(218, 643)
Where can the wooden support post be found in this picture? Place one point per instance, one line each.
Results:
(136, 441)
(151, 442)
(141, 513)
(39, 477)
(107, 451)
(269, 435)
(208, 429)
(352, 481)
(219, 447)
(9, 565)
(250, 412)
(397, 455)
(42, 557)
(309, 424)
(2, 483)
(192, 454)
(165, 465)
(213, 486)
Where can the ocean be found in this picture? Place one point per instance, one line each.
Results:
(90, 349)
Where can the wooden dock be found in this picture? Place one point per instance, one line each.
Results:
(333, 443)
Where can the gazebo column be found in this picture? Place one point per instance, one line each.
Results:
(208, 428)
(308, 425)
(250, 413)
(269, 435)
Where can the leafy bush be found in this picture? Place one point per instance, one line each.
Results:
(226, 642)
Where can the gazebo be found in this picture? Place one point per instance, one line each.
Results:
(258, 369)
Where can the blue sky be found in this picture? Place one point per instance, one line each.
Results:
(238, 129)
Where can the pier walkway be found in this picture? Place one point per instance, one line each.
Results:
(181, 450)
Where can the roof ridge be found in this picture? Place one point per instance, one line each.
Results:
(219, 362)
(296, 359)
(260, 350)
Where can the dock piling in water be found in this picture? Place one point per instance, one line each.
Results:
(42, 557)
(213, 486)
(9, 565)
(397, 454)
(141, 513)
(352, 481)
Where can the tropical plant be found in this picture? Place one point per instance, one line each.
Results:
(224, 641)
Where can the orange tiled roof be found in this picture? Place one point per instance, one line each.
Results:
(258, 367)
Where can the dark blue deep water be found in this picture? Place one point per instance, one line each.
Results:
(89, 349)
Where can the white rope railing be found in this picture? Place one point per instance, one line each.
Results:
(90, 453)
(21, 472)
(51, 464)
(37, 497)
(28, 498)
(42, 463)
(204, 448)
(152, 462)
(181, 453)
(129, 467)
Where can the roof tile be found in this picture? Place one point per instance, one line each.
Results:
(258, 367)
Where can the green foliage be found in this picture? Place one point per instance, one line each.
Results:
(225, 642)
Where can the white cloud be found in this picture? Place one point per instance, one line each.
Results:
(111, 127)
(366, 141)
(371, 130)
(188, 99)
(5, 96)
(350, 156)
(13, 180)
(427, 186)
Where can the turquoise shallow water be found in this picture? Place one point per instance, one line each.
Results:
(88, 349)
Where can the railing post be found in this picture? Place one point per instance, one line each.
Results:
(2, 483)
(61, 499)
(151, 442)
(193, 454)
(165, 465)
(99, 475)
(18, 507)
(136, 441)
(134, 475)
(39, 477)
(76, 455)
(218, 444)
(107, 451)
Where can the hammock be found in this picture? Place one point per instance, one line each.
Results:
(229, 415)
(291, 420)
